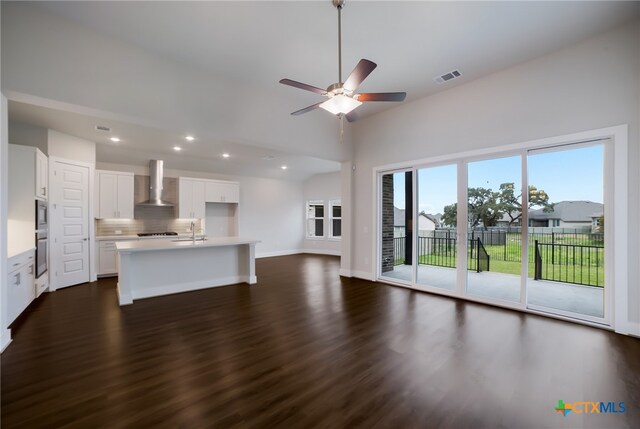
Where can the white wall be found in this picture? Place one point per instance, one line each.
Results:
(269, 209)
(28, 135)
(68, 147)
(593, 84)
(324, 187)
(5, 334)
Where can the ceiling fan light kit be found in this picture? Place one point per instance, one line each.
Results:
(342, 97)
(340, 104)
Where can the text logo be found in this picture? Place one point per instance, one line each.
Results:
(590, 407)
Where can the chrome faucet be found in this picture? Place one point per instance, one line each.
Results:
(193, 231)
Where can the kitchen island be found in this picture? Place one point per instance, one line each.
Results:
(161, 267)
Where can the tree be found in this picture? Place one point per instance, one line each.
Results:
(486, 207)
(510, 203)
(483, 206)
(450, 215)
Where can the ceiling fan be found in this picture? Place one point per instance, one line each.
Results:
(342, 96)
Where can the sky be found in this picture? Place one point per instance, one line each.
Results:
(565, 175)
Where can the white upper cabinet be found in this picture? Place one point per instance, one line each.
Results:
(222, 192)
(191, 201)
(115, 195)
(42, 176)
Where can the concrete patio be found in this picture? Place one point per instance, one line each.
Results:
(587, 300)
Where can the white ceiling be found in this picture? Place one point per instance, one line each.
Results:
(412, 42)
(250, 46)
(139, 144)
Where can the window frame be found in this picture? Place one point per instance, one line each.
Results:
(332, 204)
(308, 217)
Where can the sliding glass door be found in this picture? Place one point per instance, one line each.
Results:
(436, 236)
(494, 212)
(567, 235)
(524, 230)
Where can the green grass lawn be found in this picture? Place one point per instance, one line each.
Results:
(586, 275)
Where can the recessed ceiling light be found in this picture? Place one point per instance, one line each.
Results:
(190, 138)
(114, 139)
(177, 148)
(225, 155)
(284, 167)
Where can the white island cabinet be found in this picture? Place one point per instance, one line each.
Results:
(162, 267)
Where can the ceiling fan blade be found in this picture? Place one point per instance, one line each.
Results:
(351, 116)
(360, 73)
(381, 96)
(303, 86)
(307, 109)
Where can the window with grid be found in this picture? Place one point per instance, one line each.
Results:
(335, 211)
(315, 219)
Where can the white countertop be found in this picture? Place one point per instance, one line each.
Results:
(169, 244)
(17, 251)
(135, 237)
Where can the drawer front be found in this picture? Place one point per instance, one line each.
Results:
(17, 261)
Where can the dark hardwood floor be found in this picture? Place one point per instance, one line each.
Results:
(304, 348)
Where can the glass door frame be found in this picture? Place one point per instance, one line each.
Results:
(615, 143)
(608, 201)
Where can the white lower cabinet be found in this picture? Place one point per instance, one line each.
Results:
(107, 258)
(20, 284)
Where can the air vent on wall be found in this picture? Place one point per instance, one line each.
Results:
(103, 128)
(448, 76)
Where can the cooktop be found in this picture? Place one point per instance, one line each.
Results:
(154, 234)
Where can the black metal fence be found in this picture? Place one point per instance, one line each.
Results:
(442, 252)
(398, 250)
(564, 256)
(569, 263)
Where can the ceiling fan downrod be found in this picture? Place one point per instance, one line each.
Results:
(339, 4)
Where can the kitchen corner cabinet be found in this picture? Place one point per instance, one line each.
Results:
(115, 195)
(191, 201)
(222, 192)
(28, 172)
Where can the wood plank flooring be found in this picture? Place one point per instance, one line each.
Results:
(306, 349)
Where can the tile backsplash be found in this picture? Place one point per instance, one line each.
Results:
(148, 219)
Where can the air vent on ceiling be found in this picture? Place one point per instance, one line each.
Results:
(448, 76)
(103, 128)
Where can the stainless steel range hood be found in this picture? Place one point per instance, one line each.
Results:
(155, 185)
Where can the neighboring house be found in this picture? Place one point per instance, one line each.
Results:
(505, 219)
(426, 222)
(568, 214)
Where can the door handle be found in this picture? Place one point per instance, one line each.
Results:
(84, 239)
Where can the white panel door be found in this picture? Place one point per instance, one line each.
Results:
(70, 221)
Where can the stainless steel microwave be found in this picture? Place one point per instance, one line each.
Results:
(42, 217)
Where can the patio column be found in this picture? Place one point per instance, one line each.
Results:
(387, 223)
(408, 217)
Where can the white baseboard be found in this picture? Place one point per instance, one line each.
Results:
(278, 253)
(629, 328)
(363, 275)
(5, 339)
(322, 252)
(344, 273)
(187, 287)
